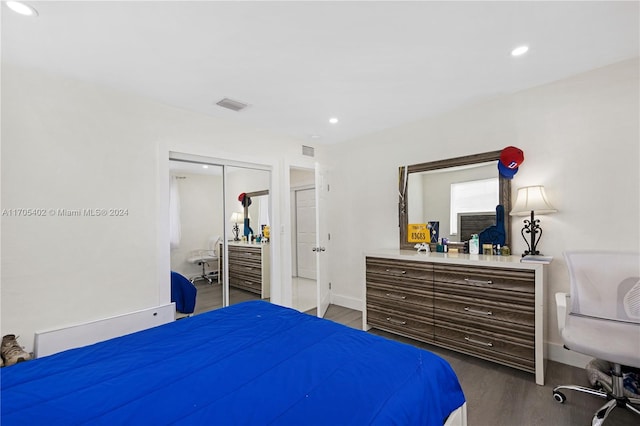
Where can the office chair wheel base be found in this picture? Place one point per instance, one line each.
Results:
(559, 396)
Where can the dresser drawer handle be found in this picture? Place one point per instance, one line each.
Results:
(394, 321)
(470, 281)
(475, 311)
(470, 340)
(396, 296)
(396, 272)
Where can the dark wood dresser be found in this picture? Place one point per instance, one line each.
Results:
(490, 307)
(249, 268)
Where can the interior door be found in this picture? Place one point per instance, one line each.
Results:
(322, 239)
(306, 233)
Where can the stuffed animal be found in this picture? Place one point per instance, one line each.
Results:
(494, 234)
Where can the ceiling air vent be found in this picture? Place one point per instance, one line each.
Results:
(231, 104)
(308, 151)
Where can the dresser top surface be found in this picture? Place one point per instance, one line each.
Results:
(455, 258)
(246, 244)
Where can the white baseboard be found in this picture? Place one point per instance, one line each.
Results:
(54, 341)
(557, 352)
(346, 302)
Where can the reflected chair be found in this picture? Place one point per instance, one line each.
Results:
(603, 321)
(204, 258)
(183, 294)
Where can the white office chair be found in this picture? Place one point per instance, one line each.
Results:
(206, 257)
(604, 320)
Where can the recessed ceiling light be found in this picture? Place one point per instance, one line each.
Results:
(22, 8)
(204, 166)
(314, 136)
(518, 51)
(333, 120)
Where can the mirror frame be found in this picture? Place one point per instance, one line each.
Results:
(253, 194)
(504, 196)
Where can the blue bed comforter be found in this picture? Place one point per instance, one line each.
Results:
(253, 363)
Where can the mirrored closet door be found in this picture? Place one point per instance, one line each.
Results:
(220, 218)
(247, 265)
(196, 204)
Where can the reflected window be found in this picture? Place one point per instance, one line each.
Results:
(471, 197)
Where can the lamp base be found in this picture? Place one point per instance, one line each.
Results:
(531, 227)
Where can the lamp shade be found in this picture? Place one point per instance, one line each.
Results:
(237, 217)
(531, 198)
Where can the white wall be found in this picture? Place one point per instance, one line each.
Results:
(580, 140)
(67, 144)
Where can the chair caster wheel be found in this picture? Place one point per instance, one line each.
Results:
(559, 396)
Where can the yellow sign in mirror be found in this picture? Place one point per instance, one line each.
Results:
(418, 233)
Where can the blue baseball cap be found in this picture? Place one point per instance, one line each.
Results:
(505, 171)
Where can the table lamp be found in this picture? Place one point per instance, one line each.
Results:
(236, 218)
(531, 200)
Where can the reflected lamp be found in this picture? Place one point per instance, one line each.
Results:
(531, 200)
(236, 218)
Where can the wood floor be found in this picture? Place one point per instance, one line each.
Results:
(209, 296)
(496, 395)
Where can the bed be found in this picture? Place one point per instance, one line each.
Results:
(252, 363)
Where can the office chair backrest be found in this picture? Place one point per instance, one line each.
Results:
(213, 243)
(605, 284)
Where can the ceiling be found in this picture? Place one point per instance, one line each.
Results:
(374, 65)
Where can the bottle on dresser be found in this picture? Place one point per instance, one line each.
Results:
(474, 244)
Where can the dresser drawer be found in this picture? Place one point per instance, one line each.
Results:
(399, 297)
(246, 270)
(493, 346)
(500, 285)
(400, 322)
(486, 278)
(392, 271)
(525, 333)
(480, 309)
(246, 255)
(252, 285)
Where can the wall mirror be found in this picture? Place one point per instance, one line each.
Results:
(257, 211)
(426, 195)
